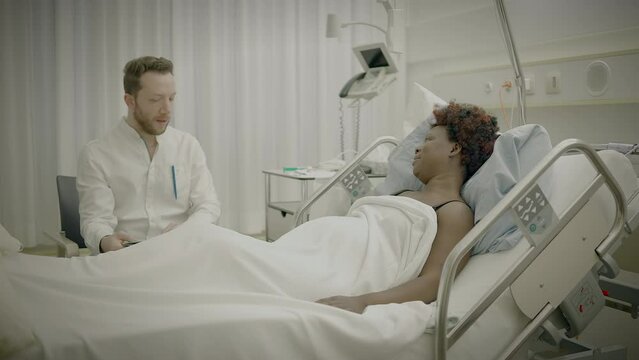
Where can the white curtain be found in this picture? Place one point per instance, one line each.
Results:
(257, 84)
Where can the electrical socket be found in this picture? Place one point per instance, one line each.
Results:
(553, 83)
(529, 84)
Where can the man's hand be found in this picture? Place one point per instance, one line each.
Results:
(350, 303)
(114, 241)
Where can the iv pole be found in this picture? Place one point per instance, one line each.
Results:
(514, 59)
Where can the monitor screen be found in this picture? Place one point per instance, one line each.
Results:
(374, 58)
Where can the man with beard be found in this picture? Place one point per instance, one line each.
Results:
(144, 177)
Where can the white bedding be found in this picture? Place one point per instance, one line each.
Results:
(203, 291)
(207, 292)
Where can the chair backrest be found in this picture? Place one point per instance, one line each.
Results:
(69, 209)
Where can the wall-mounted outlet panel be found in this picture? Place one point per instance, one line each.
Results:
(553, 81)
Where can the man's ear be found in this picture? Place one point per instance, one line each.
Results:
(129, 100)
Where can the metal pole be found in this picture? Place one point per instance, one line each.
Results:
(514, 59)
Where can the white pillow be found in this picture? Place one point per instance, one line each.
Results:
(516, 153)
(8, 244)
(400, 176)
(15, 330)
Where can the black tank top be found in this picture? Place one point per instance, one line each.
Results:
(450, 201)
(438, 206)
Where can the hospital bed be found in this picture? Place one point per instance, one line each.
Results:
(508, 299)
(587, 230)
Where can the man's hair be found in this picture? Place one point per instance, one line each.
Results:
(135, 68)
(473, 129)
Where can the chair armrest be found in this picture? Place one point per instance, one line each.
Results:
(66, 247)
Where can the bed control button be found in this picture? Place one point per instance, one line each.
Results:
(534, 211)
(356, 183)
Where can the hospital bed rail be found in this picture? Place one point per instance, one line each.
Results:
(304, 207)
(444, 338)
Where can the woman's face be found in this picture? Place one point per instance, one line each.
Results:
(433, 154)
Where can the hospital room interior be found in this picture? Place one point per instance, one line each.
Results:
(300, 107)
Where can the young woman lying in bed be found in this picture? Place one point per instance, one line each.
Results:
(459, 142)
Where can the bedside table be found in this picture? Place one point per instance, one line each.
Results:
(280, 215)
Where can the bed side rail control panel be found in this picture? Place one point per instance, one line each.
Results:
(567, 249)
(563, 250)
(535, 213)
(356, 183)
(560, 262)
(582, 305)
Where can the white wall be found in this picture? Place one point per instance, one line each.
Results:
(456, 49)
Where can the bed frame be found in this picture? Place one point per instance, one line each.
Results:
(539, 293)
(590, 257)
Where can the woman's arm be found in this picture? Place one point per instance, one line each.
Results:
(453, 222)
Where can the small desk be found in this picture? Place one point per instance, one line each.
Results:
(280, 214)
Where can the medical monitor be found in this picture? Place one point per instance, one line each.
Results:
(375, 57)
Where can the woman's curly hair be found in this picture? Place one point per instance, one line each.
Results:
(473, 129)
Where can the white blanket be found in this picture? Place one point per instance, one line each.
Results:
(202, 291)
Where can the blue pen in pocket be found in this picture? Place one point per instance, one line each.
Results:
(174, 183)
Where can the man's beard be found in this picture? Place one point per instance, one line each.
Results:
(146, 124)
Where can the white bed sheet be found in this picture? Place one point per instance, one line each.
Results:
(203, 291)
(108, 308)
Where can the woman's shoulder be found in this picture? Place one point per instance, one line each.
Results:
(455, 212)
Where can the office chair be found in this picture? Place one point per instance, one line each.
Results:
(69, 240)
